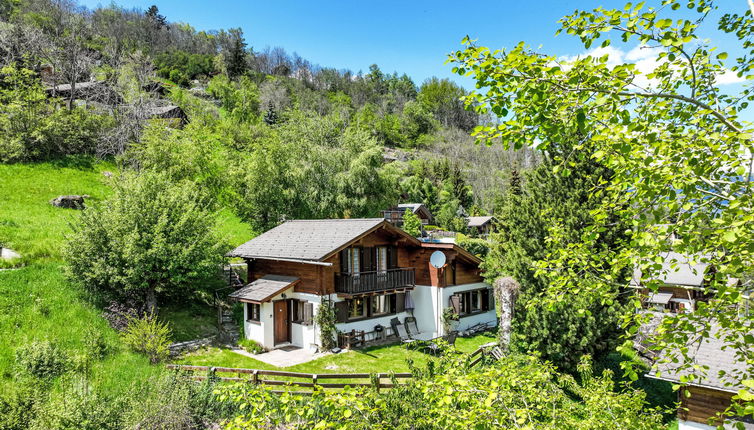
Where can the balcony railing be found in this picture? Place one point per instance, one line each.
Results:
(371, 282)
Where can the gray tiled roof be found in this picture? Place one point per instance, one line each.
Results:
(305, 240)
(478, 221)
(413, 206)
(263, 288)
(709, 352)
(682, 274)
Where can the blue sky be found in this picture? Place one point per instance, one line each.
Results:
(406, 36)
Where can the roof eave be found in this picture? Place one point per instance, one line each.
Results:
(290, 260)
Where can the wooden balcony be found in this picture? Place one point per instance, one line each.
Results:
(374, 282)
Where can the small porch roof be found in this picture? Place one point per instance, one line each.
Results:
(264, 289)
(660, 298)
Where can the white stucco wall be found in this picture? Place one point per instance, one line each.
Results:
(429, 301)
(426, 299)
(304, 336)
(260, 332)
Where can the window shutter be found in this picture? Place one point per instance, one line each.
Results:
(392, 257)
(400, 302)
(341, 311)
(308, 313)
(455, 303)
(367, 259)
(344, 261)
(485, 300)
(491, 299)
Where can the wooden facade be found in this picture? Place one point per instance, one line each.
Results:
(703, 404)
(461, 267)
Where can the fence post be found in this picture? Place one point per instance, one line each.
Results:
(211, 373)
(314, 381)
(255, 377)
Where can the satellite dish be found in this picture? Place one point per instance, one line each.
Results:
(437, 259)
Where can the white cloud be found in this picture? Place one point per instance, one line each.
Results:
(646, 60)
(728, 78)
(614, 55)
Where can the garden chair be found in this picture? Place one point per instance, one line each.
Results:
(411, 327)
(400, 331)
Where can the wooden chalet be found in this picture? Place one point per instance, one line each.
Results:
(710, 392)
(370, 270)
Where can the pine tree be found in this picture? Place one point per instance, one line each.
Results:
(576, 327)
(236, 57)
(271, 117)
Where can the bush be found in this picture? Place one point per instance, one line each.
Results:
(95, 343)
(476, 246)
(79, 408)
(149, 336)
(251, 346)
(42, 359)
(173, 401)
(18, 408)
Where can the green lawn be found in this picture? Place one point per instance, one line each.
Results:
(379, 359)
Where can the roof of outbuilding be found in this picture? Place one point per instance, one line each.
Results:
(309, 241)
(707, 352)
(413, 206)
(478, 221)
(684, 273)
(264, 288)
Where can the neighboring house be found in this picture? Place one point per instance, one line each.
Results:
(709, 393)
(682, 284)
(371, 270)
(395, 214)
(481, 225)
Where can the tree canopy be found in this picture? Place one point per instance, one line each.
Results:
(673, 137)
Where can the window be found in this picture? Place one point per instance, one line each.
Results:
(471, 302)
(357, 308)
(382, 305)
(354, 260)
(301, 311)
(475, 304)
(252, 311)
(381, 259)
(368, 307)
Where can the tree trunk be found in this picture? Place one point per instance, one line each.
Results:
(506, 290)
(151, 301)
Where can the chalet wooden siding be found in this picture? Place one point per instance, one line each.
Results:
(702, 404)
(312, 277)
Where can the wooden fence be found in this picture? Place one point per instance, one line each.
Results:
(294, 379)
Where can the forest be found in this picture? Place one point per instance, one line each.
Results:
(187, 143)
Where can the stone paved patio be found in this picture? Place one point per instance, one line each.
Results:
(283, 357)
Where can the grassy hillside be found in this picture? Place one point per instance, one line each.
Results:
(36, 300)
(28, 223)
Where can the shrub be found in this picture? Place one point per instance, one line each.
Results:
(251, 346)
(476, 246)
(42, 359)
(95, 343)
(172, 401)
(149, 336)
(325, 319)
(18, 408)
(79, 408)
